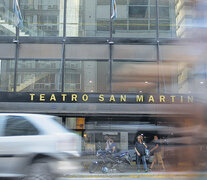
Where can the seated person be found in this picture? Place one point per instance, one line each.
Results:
(112, 147)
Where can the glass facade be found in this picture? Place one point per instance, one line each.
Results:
(86, 76)
(38, 75)
(42, 18)
(102, 55)
(6, 19)
(81, 18)
(7, 75)
(133, 77)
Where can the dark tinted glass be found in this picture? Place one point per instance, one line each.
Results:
(138, 12)
(138, 2)
(19, 126)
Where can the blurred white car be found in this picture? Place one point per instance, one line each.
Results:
(36, 147)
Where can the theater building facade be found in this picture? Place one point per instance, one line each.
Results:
(139, 72)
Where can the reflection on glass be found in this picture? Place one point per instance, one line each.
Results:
(140, 2)
(167, 18)
(168, 77)
(7, 27)
(87, 18)
(42, 18)
(86, 76)
(37, 75)
(134, 19)
(138, 12)
(182, 69)
(6, 75)
(134, 77)
(180, 140)
(190, 17)
(198, 77)
(72, 76)
(141, 19)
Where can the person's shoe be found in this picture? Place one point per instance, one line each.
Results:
(138, 171)
(149, 169)
(146, 170)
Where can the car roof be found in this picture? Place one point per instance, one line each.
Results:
(25, 114)
(46, 123)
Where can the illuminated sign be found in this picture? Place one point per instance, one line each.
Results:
(125, 98)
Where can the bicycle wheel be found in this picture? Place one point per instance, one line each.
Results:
(93, 167)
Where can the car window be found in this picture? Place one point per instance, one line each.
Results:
(2, 118)
(19, 126)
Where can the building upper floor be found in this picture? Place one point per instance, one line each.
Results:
(83, 18)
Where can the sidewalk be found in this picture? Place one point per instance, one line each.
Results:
(180, 171)
(136, 174)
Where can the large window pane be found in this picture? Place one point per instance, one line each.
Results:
(6, 19)
(38, 75)
(167, 19)
(107, 2)
(6, 75)
(86, 76)
(7, 50)
(138, 25)
(153, 25)
(168, 80)
(103, 2)
(134, 52)
(164, 25)
(163, 2)
(177, 72)
(134, 77)
(164, 12)
(182, 70)
(88, 18)
(121, 2)
(138, 12)
(40, 51)
(138, 2)
(190, 18)
(103, 25)
(153, 12)
(198, 77)
(87, 51)
(120, 25)
(182, 77)
(135, 20)
(42, 18)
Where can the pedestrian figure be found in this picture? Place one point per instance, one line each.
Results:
(107, 145)
(157, 153)
(140, 151)
(113, 147)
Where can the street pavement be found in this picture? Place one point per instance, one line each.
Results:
(143, 176)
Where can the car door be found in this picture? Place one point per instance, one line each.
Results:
(17, 138)
(2, 155)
